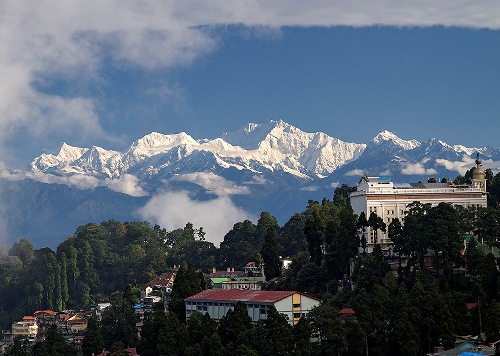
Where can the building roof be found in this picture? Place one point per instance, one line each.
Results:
(470, 305)
(50, 312)
(226, 274)
(161, 281)
(234, 295)
(347, 311)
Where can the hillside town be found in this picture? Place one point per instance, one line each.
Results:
(363, 268)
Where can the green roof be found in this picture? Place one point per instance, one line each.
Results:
(220, 280)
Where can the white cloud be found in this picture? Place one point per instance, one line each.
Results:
(459, 166)
(127, 184)
(257, 179)
(311, 188)
(172, 210)
(355, 172)
(213, 183)
(467, 162)
(417, 169)
(55, 39)
(76, 180)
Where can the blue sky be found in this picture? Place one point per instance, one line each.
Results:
(94, 74)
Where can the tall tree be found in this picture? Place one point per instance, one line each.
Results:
(187, 282)
(332, 334)
(234, 325)
(118, 322)
(278, 333)
(270, 254)
(93, 343)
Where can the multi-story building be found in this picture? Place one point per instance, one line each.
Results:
(26, 328)
(217, 302)
(390, 200)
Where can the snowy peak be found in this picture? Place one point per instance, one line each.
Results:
(387, 136)
(67, 154)
(155, 142)
(275, 147)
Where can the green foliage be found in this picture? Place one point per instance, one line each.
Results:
(93, 343)
(278, 334)
(332, 333)
(119, 321)
(302, 337)
(53, 345)
(187, 282)
(270, 254)
(235, 324)
(103, 258)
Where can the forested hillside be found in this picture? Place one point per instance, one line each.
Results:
(409, 312)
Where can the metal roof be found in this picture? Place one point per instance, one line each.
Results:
(234, 295)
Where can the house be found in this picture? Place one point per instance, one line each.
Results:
(389, 200)
(252, 277)
(159, 285)
(228, 273)
(253, 283)
(99, 308)
(76, 324)
(347, 315)
(45, 316)
(252, 269)
(217, 302)
(28, 327)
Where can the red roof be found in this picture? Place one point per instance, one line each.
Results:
(234, 295)
(470, 305)
(347, 311)
(27, 317)
(50, 312)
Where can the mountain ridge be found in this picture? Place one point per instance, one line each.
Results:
(273, 167)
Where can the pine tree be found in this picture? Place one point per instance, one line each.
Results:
(270, 254)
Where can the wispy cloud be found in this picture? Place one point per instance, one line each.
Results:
(467, 163)
(213, 183)
(128, 184)
(355, 172)
(417, 169)
(172, 210)
(311, 188)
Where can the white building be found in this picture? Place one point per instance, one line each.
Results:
(217, 302)
(389, 200)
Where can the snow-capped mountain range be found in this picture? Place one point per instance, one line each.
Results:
(271, 167)
(275, 146)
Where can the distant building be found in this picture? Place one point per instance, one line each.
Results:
(28, 327)
(159, 285)
(390, 200)
(217, 303)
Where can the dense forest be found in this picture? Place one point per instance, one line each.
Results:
(421, 306)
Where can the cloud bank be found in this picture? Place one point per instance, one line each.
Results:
(172, 210)
(213, 183)
(127, 184)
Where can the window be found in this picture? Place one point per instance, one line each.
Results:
(296, 306)
(296, 315)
